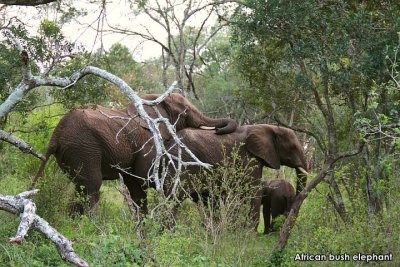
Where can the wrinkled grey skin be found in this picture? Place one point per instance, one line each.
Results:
(87, 144)
(278, 197)
(270, 146)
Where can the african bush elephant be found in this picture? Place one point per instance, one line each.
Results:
(90, 141)
(270, 146)
(278, 197)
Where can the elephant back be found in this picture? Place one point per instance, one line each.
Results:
(97, 130)
(205, 144)
(280, 189)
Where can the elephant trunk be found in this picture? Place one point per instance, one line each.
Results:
(301, 179)
(226, 126)
(301, 172)
(221, 126)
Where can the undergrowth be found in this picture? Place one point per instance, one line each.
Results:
(108, 237)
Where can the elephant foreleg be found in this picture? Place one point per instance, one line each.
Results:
(255, 211)
(267, 214)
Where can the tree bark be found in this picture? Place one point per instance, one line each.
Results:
(326, 168)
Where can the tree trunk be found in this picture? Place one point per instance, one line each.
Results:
(339, 204)
(294, 212)
(165, 64)
(373, 202)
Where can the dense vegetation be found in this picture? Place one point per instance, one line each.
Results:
(327, 69)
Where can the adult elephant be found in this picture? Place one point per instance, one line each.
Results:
(89, 142)
(278, 196)
(270, 146)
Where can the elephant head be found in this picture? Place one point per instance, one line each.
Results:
(277, 199)
(181, 112)
(271, 146)
(275, 146)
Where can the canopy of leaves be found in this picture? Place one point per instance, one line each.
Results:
(220, 85)
(288, 45)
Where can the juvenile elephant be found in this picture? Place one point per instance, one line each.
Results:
(270, 146)
(278, 197)
(90, 141)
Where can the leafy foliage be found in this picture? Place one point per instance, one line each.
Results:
(285, 47)
(90, 89)
(316, 234)
(219, 85)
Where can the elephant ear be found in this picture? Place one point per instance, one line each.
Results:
(261, 143)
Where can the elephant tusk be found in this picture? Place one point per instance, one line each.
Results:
(303, 171)
(207, 127)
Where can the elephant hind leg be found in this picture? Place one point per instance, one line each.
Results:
(87, 198)
(138, 194)
(87, 186)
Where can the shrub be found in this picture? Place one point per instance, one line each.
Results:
(56, 193)
(225, 193)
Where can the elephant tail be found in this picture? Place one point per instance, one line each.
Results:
(50, 150)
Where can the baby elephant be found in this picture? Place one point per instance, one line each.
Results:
(278, 197)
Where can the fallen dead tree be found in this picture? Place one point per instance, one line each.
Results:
(23, 205)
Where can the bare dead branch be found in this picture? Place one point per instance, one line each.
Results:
(133, 207)
(393, 68)
(22, 205)
(382, 128)
(173, 17)
(21, 144)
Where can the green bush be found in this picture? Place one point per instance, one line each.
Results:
(319, 230)
(56, 193)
